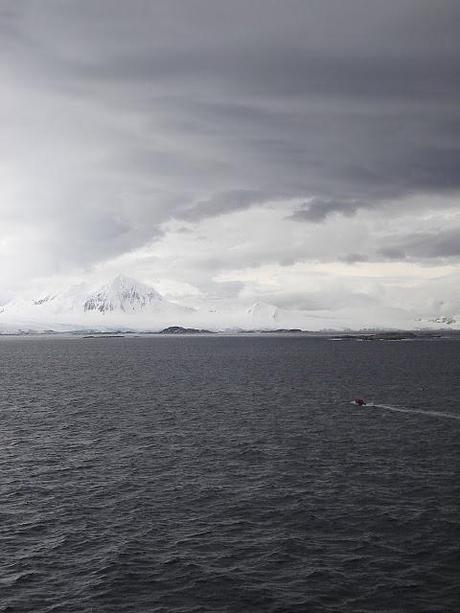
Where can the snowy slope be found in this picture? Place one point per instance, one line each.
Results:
(127, 304)
(125, 295)
(123, 303)
(264, 314)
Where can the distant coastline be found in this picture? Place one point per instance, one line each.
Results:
(334, 335)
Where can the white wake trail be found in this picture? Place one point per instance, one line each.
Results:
(389, 407)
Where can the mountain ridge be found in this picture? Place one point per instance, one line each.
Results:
(124, 303)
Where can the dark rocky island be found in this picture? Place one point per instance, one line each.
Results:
(283, 331)
(181, 330)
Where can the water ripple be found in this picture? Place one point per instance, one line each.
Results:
(225, 474)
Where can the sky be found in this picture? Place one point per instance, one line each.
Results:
(305, 153)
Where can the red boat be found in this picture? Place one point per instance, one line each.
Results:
(360, 402)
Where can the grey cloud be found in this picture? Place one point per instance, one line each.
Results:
(366, 124)
(222, 203)
(318, 210)
(299, 47)
(392, 253)
(349, 103)
(426, 245)
(355, 258)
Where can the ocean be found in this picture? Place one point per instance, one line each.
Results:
(229, 474)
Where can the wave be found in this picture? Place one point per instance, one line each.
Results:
(389, 407)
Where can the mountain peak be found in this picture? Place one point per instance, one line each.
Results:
(122, 294)
(263, 310)
(122, 280)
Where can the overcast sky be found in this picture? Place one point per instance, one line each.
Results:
(306, 153)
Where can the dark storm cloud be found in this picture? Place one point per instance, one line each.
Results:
(197, 109)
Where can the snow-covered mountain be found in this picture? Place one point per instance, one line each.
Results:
(125, 295)
(127, 304)
(263, 313)
(122, 303)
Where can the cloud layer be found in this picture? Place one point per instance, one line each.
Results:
(185, 140)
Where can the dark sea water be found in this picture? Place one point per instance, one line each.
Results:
(208, 474)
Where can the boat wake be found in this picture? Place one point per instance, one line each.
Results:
(389, 407)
